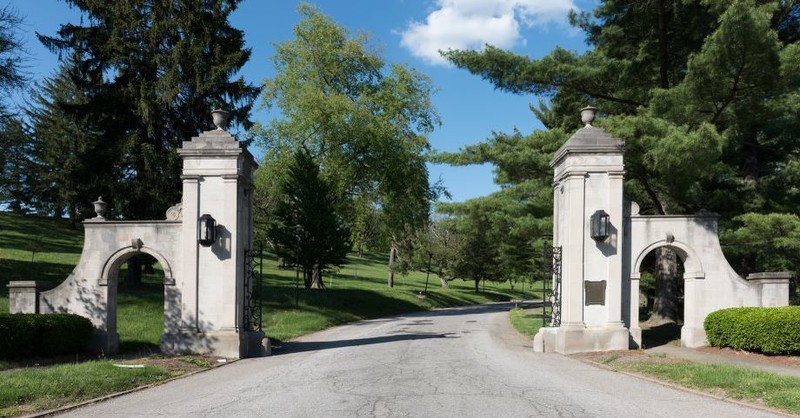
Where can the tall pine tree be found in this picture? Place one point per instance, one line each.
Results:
(305, 226)
(148, 74)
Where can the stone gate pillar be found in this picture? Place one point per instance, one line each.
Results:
(588, 176)
(217, 181)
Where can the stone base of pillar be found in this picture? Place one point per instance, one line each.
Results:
(636, 338)
(692, 337)
(227, 344)
(580, 340)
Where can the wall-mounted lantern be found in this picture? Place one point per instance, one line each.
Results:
(600, 225)
(206, 230)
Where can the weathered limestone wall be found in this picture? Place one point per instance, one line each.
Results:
(90, 290)
(710, 283)
(204, 293)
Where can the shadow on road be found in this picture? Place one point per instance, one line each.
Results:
(471, 309)
(403, 334)
(302, 346)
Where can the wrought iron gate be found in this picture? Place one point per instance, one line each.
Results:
(252, 289)
(551, 260)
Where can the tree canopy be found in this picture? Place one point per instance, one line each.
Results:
(12, 77)
(12, 73)
(704, 94)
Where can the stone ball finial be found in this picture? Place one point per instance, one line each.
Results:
(587, 115)
(220, 118)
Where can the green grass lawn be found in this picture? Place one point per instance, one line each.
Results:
(528, 321)
(741, 383)
(28, 390)
(41, 249)
(359, 291)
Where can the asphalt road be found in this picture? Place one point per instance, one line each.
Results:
(464, 362)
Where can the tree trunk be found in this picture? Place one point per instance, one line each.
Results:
(392, 256)
(665, 304)
(477, 284)
(133, 279)
(307, 277)
(443, 281)
(316, 278)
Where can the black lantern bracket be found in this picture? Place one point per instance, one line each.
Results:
(600, 225)
(206, 230)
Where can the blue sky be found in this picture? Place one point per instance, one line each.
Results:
(404, 31)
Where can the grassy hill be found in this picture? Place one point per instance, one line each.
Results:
(33, 248)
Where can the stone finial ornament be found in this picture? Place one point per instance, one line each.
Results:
(137, 244)
(100, 207)
(220, 118)
(587, 115)
(175, 212)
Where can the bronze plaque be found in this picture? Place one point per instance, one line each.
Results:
(595, 292)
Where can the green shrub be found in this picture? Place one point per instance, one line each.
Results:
(766, 330)
(32, 335)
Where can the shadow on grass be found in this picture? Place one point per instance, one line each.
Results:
(302, 346)
(347, 303)
(13, 270)
(136, 347)
(39, 234)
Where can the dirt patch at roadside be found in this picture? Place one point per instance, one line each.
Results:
(178, 365)
(626, 357)
(175, 365)
(791, 361)
(631, 356)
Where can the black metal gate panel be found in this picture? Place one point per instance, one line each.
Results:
(552, 266)
(252, 289)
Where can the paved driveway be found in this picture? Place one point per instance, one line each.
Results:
(463, 362)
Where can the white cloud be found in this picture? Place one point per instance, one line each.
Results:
(470, 24)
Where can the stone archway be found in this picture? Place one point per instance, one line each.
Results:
(89, 291)
(109, 279)
(205, 292)
(693, 270)
(710, 283)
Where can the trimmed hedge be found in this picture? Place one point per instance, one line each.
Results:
(35, 335)
(765, 330)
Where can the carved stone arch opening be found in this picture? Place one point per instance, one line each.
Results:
(122, 255)
(654, 332)
(693, 266)
(109, 279)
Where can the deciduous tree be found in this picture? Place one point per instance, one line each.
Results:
(363, 121)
